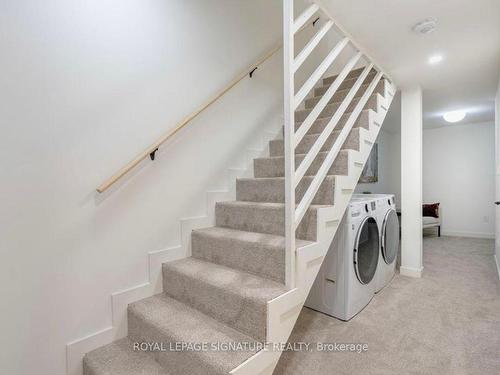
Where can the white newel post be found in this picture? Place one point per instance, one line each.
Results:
(411, 182)
(289, 117)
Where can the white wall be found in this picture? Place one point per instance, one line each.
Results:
(389, 167)
(411, 182)
(459, 173)
(497, 177)
(389, 155)
(85, 86)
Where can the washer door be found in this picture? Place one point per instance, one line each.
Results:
(366, 250)
(390, 237)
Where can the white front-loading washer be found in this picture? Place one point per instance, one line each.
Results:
(389, 237)
(346, 281)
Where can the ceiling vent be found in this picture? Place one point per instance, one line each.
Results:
(426, 26)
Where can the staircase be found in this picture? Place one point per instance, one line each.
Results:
(243, 284)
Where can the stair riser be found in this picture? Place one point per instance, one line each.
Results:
(120, 358)
(352, 142)
(337, 97)
(340, 95)
(275, 167)
(352, 74)
(234, 310)
(139, 330)
(320, 124)
(270, 190)
(330, 109)
(264, 220)
(260, 259)
(346, 84)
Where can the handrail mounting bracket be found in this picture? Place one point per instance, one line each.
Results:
(152, 155)
(253, 71)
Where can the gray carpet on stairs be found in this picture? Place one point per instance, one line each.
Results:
(275, 167)
(123, 360)
(446, 323)
(161, 319)
(256, 253)
(352, 142)
(330, 109)
(220, 294)
(263, 217)
(272, 189)
(237, 299)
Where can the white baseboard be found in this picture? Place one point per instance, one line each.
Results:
(467, 234)
(498, 266)
(75, 350)
(411, 272)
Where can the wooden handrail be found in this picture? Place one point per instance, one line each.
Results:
(151, 150)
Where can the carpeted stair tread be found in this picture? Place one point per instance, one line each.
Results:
(340, 94)
(319, 124)
(257, 253)
(347, 83)
(330, 109)
(120, 358)
(161, 319)
(233, 297)
(263, 217)
(275, 166)
(276, 146)
(272, 189)
(351, 75)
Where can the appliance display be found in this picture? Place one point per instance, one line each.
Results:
(347, 279)
(388, 221)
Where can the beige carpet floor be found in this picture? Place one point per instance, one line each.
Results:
(447, 322)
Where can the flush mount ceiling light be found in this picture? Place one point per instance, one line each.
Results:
(435, 59)
(454, 116)
(426, 26)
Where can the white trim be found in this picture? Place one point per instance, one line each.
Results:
(323, 102)
(289, 137)
(339, 142)
(498, 265)
(318, 73)
(411, 272)
(76, 349)
(467, 234)
(306, 163)
(303, 18)
(326, 9)
(311, 45)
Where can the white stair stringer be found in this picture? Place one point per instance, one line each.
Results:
(76, 349)
(284, 310)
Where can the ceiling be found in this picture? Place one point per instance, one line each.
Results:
(467, 35)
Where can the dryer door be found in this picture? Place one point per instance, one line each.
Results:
(366, 250)
(390, 237)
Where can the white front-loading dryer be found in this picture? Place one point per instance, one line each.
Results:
(346, 281)
(389, 237)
